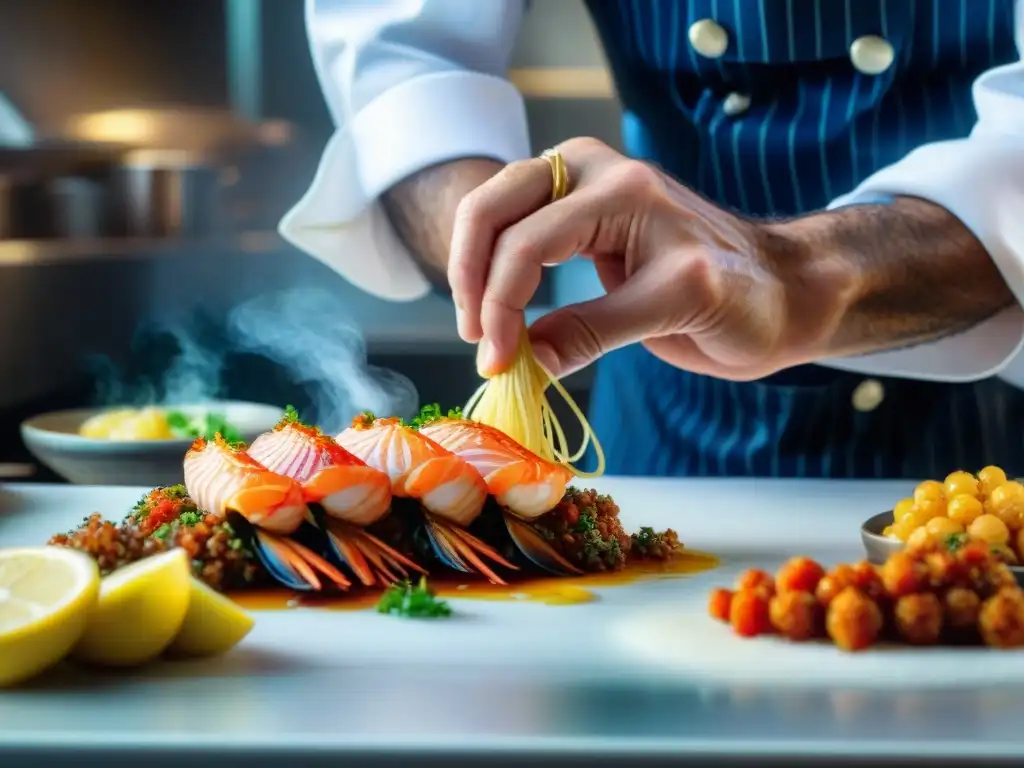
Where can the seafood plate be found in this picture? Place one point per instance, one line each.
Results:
(385, 501)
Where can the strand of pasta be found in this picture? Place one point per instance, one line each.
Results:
(515, 402)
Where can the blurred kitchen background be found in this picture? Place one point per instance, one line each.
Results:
(147, 152)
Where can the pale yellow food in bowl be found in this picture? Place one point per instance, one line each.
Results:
(128, 424)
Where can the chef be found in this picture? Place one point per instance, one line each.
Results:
(813, 258)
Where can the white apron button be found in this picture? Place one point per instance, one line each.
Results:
(868, 395)
(708, 38)
(736, 104)
(871, 54)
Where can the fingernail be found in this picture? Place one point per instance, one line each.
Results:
(486, 359)
(460, 322)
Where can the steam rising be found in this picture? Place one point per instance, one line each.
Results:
(305, 331)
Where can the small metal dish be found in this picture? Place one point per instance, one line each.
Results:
(879, 548)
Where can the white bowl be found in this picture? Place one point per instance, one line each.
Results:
(54, 440)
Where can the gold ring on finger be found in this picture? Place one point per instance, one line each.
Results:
(559, 174)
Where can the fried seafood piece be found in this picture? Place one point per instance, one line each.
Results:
(1001, 619)
(796, 615)
(853, 620)
(961, 607)
(749, 613)
(918, 618)
(799, 574)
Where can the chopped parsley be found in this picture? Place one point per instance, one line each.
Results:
(413, 602)
(956, 540)
(587, 521)
(646, 536)
(141, 507)
(431, 413)
(190, 518)
(648, 542)
(208, 426)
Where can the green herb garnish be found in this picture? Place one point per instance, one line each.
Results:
(646, 537)
(413, 602)
(364, 419)
(141, 508)
(162, 532)
(176, 492)
(208, 426)
(190, 518)
(956, 540)
(431, 413)
(587, 520)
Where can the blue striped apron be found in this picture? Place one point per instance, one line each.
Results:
(814, 128)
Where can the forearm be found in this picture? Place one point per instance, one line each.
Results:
(881, 277)
(422, 210)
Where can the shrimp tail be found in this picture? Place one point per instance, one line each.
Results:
(459, 549)
(292, 564)
(369, 559)
(536, 549)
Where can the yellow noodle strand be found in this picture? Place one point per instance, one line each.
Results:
(515, 402)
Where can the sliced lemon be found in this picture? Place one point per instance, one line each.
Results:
(213, 625)
(46, 595)
(140, 610)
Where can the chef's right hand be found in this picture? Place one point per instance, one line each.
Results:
(700, 287)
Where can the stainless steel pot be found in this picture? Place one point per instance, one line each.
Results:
(165, 194)
(55, 208)
(53, 190)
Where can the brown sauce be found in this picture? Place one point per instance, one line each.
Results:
(549, 591)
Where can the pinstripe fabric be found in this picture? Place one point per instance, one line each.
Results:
(815, 128)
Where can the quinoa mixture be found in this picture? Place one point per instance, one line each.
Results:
(163, 519)
(586, 530)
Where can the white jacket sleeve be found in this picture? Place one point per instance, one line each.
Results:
(409, 84)
(980, 180)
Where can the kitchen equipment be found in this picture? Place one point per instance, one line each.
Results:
(64, 207)
(54, 190)
(53, 439)
(203, 183)
(165, 193)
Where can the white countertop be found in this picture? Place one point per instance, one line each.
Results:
(512, 677)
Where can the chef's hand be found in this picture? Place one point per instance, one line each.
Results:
(700, 287)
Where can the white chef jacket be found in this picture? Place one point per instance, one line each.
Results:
(417, 55)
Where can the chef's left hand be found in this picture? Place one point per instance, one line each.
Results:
(700, 287)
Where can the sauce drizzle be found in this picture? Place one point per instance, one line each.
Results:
(544, 590)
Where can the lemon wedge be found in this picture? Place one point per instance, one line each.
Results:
(213, 625)
(45, 598)
(140, 610)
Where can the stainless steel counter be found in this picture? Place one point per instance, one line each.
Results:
(516, 682)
